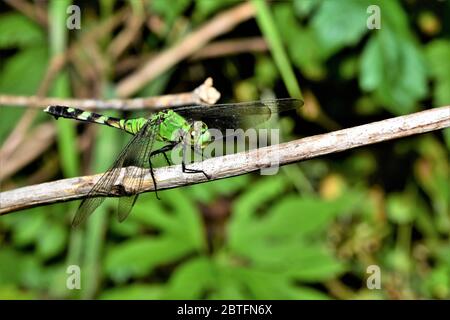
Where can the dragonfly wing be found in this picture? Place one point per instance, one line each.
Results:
(104, 185)
(102, 188)
(137, 161)
(125, 206)
(238, 115)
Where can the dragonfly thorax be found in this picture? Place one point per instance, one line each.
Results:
(175, 128)
(171, 125)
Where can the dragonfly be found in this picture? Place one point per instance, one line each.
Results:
(185, 127)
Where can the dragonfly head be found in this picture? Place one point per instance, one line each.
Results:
(199, 134)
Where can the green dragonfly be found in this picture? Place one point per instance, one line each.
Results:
(188, 127)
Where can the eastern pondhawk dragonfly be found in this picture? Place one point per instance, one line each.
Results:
(187, 127)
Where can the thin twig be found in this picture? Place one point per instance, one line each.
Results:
(229, 47)
(32, 11)
(204, 94)
(35, 143)
(17, 135)
(220, 24)
(126, 37)
(237, 164)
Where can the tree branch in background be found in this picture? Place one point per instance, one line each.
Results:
(16, 137)
(203, 94)
(126, 37)
(218, 25)
(230, 47)
(240, 163)
(32, 11)
(33, 145)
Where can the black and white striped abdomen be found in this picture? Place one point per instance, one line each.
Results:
(81, 115)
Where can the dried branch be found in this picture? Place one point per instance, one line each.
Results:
(33, 12)
(240, 163)
(220, 24)
(126, 37)
(205, 94)
(32, 146)
(16, 137)
(229, 47)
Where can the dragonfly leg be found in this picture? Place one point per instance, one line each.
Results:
(153, 178)
(188, 170)
(163, 151)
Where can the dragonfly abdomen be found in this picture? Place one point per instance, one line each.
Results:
(131, 126)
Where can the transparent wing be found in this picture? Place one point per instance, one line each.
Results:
(137, 162)
(237, 115)
(104, 185)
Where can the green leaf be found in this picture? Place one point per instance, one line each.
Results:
(263, 284)
(179, 218)
(247, 205)
(138, 257)
(52, 240)
(227, 285)
(392, 65)
(266, 72)
(438, 53)
(303, 46)
(394, 69)
(371, 74)
(11, 267)
(20, 74)
(28, 227)
(205, 8)
(19, 31)
(281, 239)
(305, 8)
(206, 193)
(438, 282)
(315, 263)
(401, 208)
(299, 216)
(14, 293)
(191, 280)
(291, 217)
(169, 10)
(446, 134)
(128, 228)
(23, 72)
(339, 24)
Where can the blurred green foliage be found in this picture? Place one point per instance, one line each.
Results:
(309, 232)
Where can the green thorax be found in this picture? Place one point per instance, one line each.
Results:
(169, 123)
(171, 127)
